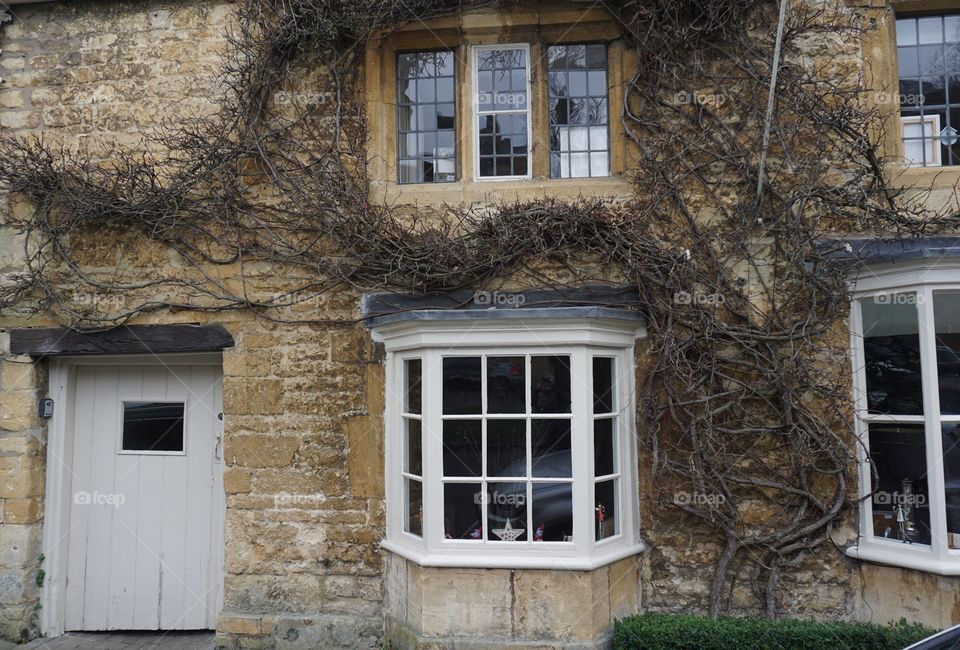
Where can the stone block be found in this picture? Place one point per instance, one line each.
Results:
(624, 579)
(252, 396)
(18, 376)
(556, 604)
(22, 482)
(236, 480)
(261, 450)
(18, 410)
(365, 463)
(461, 602)
(22, 511)
(19, 545)
(350, 345)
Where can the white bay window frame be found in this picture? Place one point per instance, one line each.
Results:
(516, 334)
(923, 279)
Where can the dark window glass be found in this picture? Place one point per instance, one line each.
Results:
(901, 503)
(891, 345)
(413, 521)
(462, 448)
(550, 385)
(550, 448)
(577, 98)
(462, 510)
(461, 385)
(507, 448)
(602, 385)
(928, 52)
(413, 397)
(605, 510)
(552, 512)
(950, 438)
(946, 316)
(506, 385)
(507, 512)
(153, 426)
(414, 464)
(503, 111)
(604, 461)
(426, 149)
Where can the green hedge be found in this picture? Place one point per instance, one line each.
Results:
(684, 632)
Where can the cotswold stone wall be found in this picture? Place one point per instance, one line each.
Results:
(22, 464)
(303, 438)
(302, 404)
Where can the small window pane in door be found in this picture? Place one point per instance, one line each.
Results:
(153, 426)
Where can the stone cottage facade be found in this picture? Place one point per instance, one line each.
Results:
(449, 471)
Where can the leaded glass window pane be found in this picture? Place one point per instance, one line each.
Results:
(426, 117)
(578, 107)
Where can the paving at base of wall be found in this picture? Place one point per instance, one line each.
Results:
(120, 641)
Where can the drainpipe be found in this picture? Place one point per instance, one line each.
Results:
(771, 100)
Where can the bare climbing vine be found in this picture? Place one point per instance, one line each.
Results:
(746, 383)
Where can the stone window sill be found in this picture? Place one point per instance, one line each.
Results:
(900, 176)
(466, 192)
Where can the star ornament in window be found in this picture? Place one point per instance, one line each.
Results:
(508, 533)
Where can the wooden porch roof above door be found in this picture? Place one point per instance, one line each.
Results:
(126, 339)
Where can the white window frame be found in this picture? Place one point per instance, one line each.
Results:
(923, 279)
(477, 113)
(581, 339)
(933, 121)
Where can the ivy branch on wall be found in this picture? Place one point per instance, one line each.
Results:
(746, 383)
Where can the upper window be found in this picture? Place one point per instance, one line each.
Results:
(908, 403)
(501, 79)
(426, 127)
(577, 94)
(928, 52)
(568, 115)
(516, 455)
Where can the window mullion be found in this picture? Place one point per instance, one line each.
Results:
(581, 407)
(857, 355)
(931, 408)
(432, 432)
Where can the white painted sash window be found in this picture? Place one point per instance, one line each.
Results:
(906, 352)
(509, 444)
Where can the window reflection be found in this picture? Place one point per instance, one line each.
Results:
(506, 385)
(901, 503)
(891, 345)
(462, 448)
(946, 314)
(950, 439)
(462, 511)
(461, 385)
(551, 384)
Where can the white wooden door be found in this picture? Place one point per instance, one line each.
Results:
(146, 520)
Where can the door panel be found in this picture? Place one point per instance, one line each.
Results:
(145, 535)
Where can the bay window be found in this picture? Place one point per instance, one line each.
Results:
(906, 348)
(510, 443)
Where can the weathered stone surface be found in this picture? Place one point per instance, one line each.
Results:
(19, 546)
(261, 450)
(18, 410)
(252, 396)
(22, 511)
